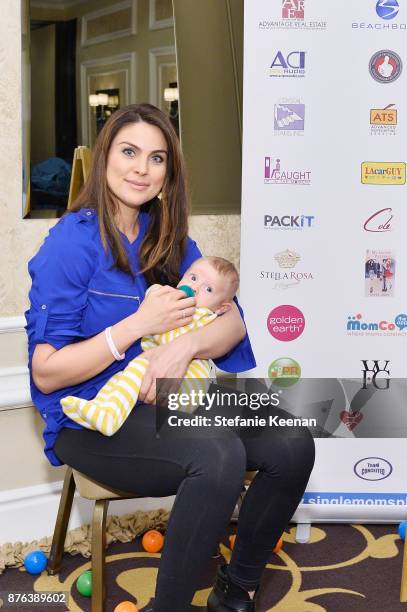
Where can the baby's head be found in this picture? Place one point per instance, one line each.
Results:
(215, 281)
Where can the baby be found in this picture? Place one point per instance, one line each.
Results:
(214, 281)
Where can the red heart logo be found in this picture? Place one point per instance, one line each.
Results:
(351, 419)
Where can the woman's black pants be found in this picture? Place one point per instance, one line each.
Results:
(205, 469)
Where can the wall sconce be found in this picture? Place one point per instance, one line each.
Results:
(171, 94)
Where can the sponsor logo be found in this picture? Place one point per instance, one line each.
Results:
(284, 372)
(291, 65)
(285, 323)
(357, 327)
(380, 273)
(380, 221)
(383, 121)
(385, 66)
(379, 375)
(383, 173)
(387, 9)
(351, 419)
(288, 222)
(292, 17)
(277, 175)
(373, 468)
(289, 118)
(286, 277)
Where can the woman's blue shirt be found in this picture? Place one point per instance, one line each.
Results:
(76, 294)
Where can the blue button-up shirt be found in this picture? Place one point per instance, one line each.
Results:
(76, 293)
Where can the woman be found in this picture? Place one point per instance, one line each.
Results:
(128, 230)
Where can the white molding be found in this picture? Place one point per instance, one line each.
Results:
(158, 24)
(152, 62)
(12, 324)
(29, 513)
(84, 77)
(160, 81)
(109, 10)
(59, 5)
(14, 387)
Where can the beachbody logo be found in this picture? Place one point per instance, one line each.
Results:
(289, 118)
(356, 327)
(383, 173)
(288, 222)
(383, 121)
(291, 65)
(380, 221)
(373, 468)
(276, 175)
(292, 18)
(387, 10)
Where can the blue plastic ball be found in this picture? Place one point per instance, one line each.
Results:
(35, 562)
(187, 290)
(402, 530)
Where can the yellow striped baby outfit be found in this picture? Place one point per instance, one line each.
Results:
(112, 405)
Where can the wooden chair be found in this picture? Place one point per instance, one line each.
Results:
(403, 588)
(91, 489)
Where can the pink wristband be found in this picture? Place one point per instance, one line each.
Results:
(112, 346)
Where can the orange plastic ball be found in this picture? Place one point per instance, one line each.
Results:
(126, 606)
(278, 545)
(152, 541)
(232, 540)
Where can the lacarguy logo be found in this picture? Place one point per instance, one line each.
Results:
(286, 277)
(289, 118)
(383, 121)
(288, 222)
(356, 326)
(387, 9)
(285, 323)
(385, 66)
(373, 468)
(275, 174)
(284, 372)
(376, 372)
(288, 65)
(380, 221)
(383, 173)
(292, 17)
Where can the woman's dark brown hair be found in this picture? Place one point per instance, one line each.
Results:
(162, 249)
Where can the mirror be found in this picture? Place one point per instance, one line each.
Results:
(81, 60)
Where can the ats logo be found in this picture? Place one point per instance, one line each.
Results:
(383, 121)
(289, 118)
(293, 9)
(290, 65)
(383, 173)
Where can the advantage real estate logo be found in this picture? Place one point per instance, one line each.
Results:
(292, 17)
(383, 173)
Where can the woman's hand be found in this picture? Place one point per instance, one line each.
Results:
(164, 309)
(169, 361)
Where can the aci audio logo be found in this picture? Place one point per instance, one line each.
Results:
(286, 322)
(288, 65)
(387, 9)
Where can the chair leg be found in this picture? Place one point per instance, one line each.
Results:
(61, 525)
(98, 555)
(403, 589)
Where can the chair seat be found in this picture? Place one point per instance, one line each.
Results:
(91, 489)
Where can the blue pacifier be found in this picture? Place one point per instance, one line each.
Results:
(187, 290)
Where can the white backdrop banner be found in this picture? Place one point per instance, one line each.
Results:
(323, 258)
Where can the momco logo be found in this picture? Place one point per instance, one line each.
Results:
(383, 121)
(292, 9)
(385, 66)
(356, 326)
(373, 468)
(275, 174)
(288, 222)
(285, 323)
(288, 65)
(384, 173)
(380, 221)
(289, 118)
(284, 372)
(387, 9)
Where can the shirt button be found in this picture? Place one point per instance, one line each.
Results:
(43, 306)
(89, 213)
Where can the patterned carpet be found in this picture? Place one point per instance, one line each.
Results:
(343, 568)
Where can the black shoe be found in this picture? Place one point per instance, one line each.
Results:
(227, 596)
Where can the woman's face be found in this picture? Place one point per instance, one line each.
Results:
(137, 163)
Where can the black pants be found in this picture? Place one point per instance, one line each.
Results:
(206, 472)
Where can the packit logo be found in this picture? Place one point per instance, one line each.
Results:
(284, 372)
(292, 65)
(387, 9)
(385, 66)
(288, 222)
(289, 117)
(293, 9)
(373, 468)
(285, 323)
(380, 221)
